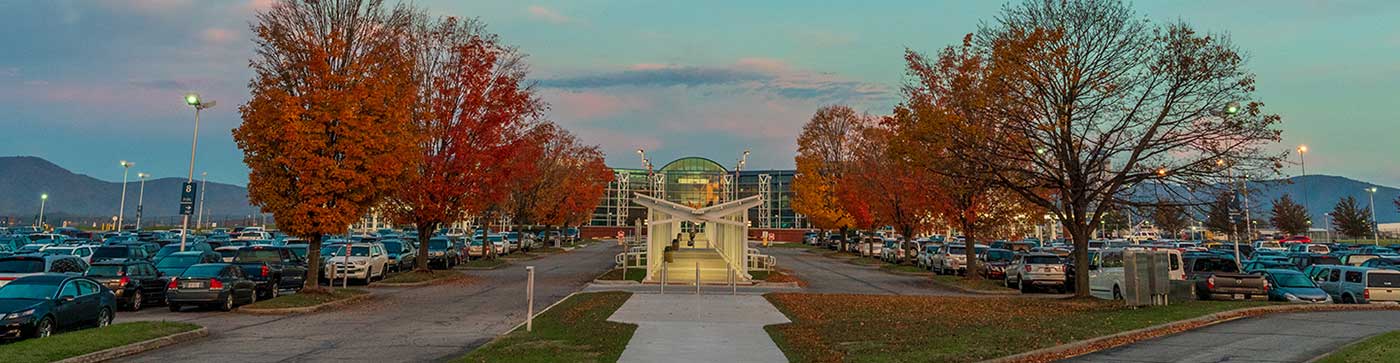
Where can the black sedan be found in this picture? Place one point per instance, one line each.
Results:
(39, 305)
(135, 282)
(218, 285)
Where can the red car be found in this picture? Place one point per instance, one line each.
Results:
(1297, 239)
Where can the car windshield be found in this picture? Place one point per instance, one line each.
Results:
(1215, 264)
(177, 261)
(1042, 260)
(60, 251)
(1296, 280)
(110, 252)
(23, 290)
(257, 255)
(1388, 280)
(1269, 244)
(22, 266)
(105, 271)
(393, 247)
(359, 251)
(957, 250)
(437, 244)
(203, 271)
(300, 251)
(1000, 255)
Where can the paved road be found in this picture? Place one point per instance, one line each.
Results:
(1275, 338)
(836, 276)
(398, 325)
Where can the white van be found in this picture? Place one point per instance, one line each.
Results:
(1106, 271)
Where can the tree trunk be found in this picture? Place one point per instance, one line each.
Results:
(425, 232)
(971, 252)
(1080, 233)
(313, 263)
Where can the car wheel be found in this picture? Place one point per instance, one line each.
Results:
(1021, 285)
(1347, 299)
(1006, 281)
(44, 328)
(104, 318)
(174, 308)
(1117, 294)
(227, 305)
(136, 301)
(276, 291)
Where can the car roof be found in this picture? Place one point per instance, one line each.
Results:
(47, 277)
(186, 253)
(1041, 254)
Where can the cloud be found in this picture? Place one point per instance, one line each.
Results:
(754, 74)
(216, 35)
(547, 14)
(589, 105)
(654, 76)
(9, 72)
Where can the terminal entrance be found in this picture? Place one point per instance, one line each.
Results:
(717, 252)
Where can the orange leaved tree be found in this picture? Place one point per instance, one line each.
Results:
(326, 133)
(823, 154)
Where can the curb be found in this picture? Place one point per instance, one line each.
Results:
(1074, 349)
(781, 285)
(138, 347)
(504, 263)
(615, 282)
(975, 292)
(307, 309)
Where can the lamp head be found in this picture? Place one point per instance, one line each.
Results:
(192, 99)
(1232, 108)
(44, 196)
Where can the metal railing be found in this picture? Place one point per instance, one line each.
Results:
(761, 262)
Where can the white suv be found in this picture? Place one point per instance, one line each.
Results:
(367, 261)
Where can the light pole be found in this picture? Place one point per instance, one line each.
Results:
(140, 198)
(742, 160)
(1375, 227)
(43, 199)
(1327, 217)
(121, 207)
(193, 100)
(1302, 162)
(203, 180)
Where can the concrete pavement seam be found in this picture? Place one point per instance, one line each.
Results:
(138, 347)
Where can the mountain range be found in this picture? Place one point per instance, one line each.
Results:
(85, 199)
(1320, 193)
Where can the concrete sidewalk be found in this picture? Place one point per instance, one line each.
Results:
(699, 328)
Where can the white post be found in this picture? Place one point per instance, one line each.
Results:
(530, 297)
(140, 199)
(663, 276)
(345, 277)
(203, 181)
(697, 278)
(43, 199)
(121, 208)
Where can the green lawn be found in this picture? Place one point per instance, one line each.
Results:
(633, 273)
(72, 344)
(420, 276)
(304, 299)
(1377, 349)
(871, 328)
(576, 330)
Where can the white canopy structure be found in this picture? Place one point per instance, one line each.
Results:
(720, 248)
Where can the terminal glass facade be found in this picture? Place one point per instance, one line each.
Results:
(699, 182)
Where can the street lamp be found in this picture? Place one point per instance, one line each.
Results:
(742, 160)
(1375, 227)
(1302, 162)
(43, 199)
(140, 198)
(193, 100)
(121, 207)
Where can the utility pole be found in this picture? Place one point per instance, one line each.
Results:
(203, 181)
(140, 199)
(199, 105)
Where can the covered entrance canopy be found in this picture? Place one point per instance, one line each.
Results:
(720, 248)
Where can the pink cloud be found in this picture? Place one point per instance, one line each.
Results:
(547, 14)
(770, 65)
(588, 105)
(216, 35)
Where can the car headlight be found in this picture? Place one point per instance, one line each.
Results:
(1290, 297)
(360, 262)
(18, 315)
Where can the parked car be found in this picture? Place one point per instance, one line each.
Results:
(189, 247)
(227, 252)
(995, 262)
(927, 253)
(1269, 245)
(18, 266)
(1267, 264)
(1292, 286)
(1310, 248)
(1106, 271)
(119, 251)
(498, 242)
(401, 255)
(83, 252)
(176, 263)
(133, 282)
(1303, 260)
(40, 305)
(271, 268)
(1359, 285)
(365, 262)
(1220, 278)
(218, 285)
(952, 258)
(1028, 271)
(441, 253)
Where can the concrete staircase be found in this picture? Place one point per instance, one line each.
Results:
(681, 269)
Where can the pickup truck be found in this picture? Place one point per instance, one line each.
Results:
(271, 268)
(1219, 278)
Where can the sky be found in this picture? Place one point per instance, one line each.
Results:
(86, 83)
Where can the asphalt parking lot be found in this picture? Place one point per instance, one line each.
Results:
(398, 325)
(836, 276)
(1273, 338)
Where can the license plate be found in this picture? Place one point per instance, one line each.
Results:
(1236, 296)
(191, 285)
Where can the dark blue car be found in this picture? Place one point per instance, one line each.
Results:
(1293, 286)
(40, 305)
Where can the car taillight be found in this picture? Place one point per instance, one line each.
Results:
(216, 285)
(1366, 294)
(1266, 286)
(170, 285)
(264, 271)
(1028, 268)
(1210, 283)
(125, 280)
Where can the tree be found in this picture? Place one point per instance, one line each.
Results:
(1350, 219)
(1114, 220)
(569, 180)
(1094, 103)
(473, 105)
(884, 190)
(1170, 218)
(1289, 217)
(1219, 219)
(327, 134)
(823, 154)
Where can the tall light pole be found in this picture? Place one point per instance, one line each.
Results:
(1375, 226)
(193, 100)
(203, 180)
(742, 160)
(1328, 218)
(121, 207)
(140, 198)
(1302, 162)
(43, 199)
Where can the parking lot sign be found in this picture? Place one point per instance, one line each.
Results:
(187, 195)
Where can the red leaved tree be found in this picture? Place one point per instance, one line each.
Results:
(473, 104)
(326, 134)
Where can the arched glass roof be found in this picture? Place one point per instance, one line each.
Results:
(693, 164)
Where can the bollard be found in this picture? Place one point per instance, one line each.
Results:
(663, 277)
(529, 298)
(733, 289)
(697, 278)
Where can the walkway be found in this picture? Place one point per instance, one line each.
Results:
(1274, 338)
(703, 328)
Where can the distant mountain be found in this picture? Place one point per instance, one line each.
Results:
(1320, 193)
(84, 198)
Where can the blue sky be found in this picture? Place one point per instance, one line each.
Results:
(85, 83)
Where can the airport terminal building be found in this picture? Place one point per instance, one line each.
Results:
(699, 182)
